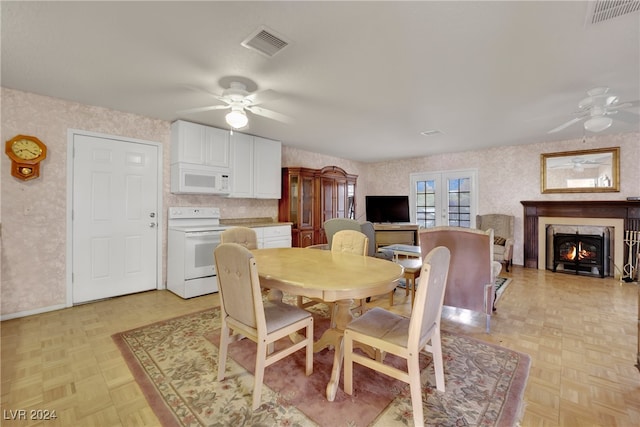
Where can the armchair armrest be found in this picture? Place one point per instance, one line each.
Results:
(508, 249)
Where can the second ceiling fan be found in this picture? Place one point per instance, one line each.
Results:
(595, 110)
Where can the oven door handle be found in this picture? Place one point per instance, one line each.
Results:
(202, 234)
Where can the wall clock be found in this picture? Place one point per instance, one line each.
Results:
(26, 153)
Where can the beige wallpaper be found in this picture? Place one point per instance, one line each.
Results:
(508, 175)
(33, 213)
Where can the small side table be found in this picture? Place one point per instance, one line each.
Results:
(412, 267)
(406, 250)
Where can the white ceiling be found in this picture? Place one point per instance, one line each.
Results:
(361, 79)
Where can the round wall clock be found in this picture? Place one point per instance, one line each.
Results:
(26, 153)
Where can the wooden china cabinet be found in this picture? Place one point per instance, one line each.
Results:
(310, 197)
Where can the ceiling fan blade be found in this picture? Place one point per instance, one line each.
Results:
(566, 125)
(262, 96)
(269, 114)
(627, 117)
(624, 105)
(201, 89)
(201, 109)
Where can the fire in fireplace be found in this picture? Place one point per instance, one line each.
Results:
(580, 253)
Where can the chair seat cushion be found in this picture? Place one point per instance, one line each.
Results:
(382, 324)
(278, 315)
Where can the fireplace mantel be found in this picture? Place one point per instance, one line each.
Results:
(629, 211)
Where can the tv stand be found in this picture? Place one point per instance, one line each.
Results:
(395, 233)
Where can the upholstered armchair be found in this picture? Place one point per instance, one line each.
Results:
(502, 226)
(472, 270)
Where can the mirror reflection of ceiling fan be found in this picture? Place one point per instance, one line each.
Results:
(239, 100)
(579, 163)
(596, 108)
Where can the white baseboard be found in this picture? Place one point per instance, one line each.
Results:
(32, 312)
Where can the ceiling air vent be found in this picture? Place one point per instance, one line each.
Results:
(603, 10)
(265, 41)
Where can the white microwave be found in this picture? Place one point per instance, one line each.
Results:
(187, 178)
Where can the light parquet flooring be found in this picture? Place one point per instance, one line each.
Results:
(580, 332)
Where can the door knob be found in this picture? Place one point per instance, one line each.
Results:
(152, 224)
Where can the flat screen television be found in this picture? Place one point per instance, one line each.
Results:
(387, 208)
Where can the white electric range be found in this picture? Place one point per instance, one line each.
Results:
(194, 232)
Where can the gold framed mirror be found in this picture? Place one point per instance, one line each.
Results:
(582, 171)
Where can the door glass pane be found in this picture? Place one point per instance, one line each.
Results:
(460, 202)
(426, 203)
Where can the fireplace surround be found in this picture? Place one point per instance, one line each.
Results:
(622, 214)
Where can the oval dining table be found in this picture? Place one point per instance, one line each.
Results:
(333, 277)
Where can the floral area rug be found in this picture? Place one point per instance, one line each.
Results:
(175, 364)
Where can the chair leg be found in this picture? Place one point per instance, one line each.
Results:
(309, 350)
(438, 366)
(222, 352)
(348, 364)
(416, 389)
(261, 355)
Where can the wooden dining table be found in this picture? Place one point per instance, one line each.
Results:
(332, 277)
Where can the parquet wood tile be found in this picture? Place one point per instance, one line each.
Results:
(580, 332)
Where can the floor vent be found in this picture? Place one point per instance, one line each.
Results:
(603, 10)
(266, 42)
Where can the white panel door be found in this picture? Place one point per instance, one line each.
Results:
(115, 230)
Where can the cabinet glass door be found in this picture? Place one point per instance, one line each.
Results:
(306, 208)
(293, 200)
(351, 197)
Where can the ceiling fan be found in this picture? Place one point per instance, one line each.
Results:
(239, 101)
(595, 109)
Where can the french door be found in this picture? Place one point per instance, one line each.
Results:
(444, 198)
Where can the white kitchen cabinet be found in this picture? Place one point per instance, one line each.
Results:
(277, 236)
(256, 167)
(241, 148)
(267, 171)
(199, 144)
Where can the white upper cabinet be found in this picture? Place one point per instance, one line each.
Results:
(241, 147)
(267, 162)
(256, 164)
(199, 144)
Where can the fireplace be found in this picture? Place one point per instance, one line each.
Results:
(580, 254)
(620, 214)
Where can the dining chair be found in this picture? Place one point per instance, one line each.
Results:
(404, 337)
(351, 242)
(245, 313)
(244, 236)
(344, 241)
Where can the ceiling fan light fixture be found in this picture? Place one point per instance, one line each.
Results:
(598, 124)
(236, 119)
